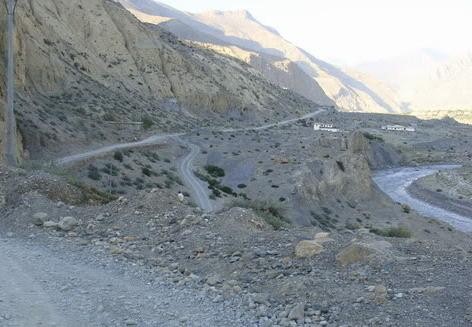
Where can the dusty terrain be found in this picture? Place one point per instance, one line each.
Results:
(220, 205)
(382, 264)
(236, 260)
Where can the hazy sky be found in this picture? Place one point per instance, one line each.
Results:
(354, 31)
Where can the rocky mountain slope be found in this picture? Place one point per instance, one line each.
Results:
(81, 65)
(241, 29)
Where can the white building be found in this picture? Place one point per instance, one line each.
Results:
(325, 127)
(399, 128)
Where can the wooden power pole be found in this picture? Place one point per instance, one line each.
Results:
(10, 121)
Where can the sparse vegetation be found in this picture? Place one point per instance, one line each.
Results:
(400, 232)
(272, 213)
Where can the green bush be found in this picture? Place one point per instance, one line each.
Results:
(93, 173)
(147, 122)
(373, 137)
(400, 232)
(215, 171)
(118, 156)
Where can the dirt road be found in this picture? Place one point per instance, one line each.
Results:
(43, 286)
(185, 168)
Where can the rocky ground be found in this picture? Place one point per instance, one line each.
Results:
(291, 277)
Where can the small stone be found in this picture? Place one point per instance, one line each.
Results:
(50, 224)
(67, 224)
(213, 280)
(297, 313)
(380, 294)
(131, 322)
(39, 218)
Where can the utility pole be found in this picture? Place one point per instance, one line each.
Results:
(10, 121)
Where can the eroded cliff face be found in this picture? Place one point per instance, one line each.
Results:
(346, 176)
(83, 62)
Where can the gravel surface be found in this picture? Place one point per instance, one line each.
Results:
(59, 285)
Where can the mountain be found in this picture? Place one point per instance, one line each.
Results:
(432, 84)
(240, 29)
(83, 64)
(448, 86)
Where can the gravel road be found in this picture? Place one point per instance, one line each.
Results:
(155, 139)
(278, 124)
(44, 286)
(395, 183)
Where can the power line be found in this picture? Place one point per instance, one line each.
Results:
(10, 121)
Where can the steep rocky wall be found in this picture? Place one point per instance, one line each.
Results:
(346, 176)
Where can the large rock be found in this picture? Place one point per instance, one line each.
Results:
(308, 249)
(362, 252)
(67, 224)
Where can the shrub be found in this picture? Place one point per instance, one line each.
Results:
(373, 137)
(400, 232)
(146, 171)
(118, 156)
(215, 171)
(93, 173)
(406, 208)
(147, 122)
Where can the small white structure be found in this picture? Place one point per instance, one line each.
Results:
(325, 127)
(399, 128)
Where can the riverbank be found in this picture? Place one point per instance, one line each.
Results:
(396, 183)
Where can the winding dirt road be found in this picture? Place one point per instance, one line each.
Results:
(155, 139)
(395, 183)
(185, 167)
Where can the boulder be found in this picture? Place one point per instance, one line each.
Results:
(39, 218)
(67, 224)
(308, 249)
(362, 252)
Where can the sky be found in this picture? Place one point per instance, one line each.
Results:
(350, 32)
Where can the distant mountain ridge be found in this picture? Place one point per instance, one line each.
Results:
(321, 82)
(433, 84)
